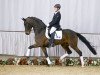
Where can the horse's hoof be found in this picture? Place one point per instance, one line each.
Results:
(49, 65)
(83, 66)
(60, 61)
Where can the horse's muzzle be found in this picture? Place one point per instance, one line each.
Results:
(27, 33)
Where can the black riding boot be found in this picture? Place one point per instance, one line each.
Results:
(51, 41)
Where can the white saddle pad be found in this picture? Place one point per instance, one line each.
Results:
(58, 34)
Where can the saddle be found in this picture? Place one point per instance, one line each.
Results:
(58, 34)
(59, 29)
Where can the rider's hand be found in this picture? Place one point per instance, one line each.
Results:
(47, 25)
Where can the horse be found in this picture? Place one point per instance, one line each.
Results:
(69, 38)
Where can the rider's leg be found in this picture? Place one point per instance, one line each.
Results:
(52, 39)
(53, 29)
(52, 32)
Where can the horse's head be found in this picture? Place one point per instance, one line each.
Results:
(28, 25)
(35, 23)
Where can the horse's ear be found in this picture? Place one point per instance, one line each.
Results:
(23, 19)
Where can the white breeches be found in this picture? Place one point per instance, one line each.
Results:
(52, 30)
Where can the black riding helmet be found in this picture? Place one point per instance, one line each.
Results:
(57, 6)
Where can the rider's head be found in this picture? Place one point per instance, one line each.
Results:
(57, 7)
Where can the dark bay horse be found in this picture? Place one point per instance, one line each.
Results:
(69, 38)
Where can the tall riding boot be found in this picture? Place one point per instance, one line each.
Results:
(52, 40)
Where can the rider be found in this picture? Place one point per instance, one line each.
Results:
(55, 23)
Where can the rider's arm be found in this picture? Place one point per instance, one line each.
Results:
(55, 20)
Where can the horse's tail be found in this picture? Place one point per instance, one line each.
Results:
(83, 39)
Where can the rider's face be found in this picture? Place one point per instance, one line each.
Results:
(55, 9)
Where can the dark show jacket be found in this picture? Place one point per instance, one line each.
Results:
(55, 21)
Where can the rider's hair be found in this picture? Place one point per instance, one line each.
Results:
(57, 6)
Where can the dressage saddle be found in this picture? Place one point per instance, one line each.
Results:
(58, 29)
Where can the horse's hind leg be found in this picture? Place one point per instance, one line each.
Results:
(73, 44)
(80, 54)
(66, 48)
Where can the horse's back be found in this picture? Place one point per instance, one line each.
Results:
(68, 31)
(70, 35)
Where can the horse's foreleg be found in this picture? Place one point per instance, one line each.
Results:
(33, 46)
(46, 55)
(30, 47)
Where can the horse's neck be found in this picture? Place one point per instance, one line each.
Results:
(41, 27)
(39, 30)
